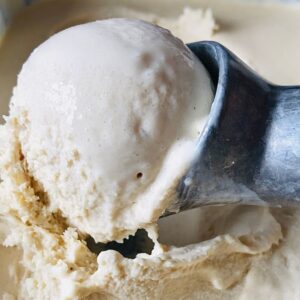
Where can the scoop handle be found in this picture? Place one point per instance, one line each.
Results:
(249, 151)
(278, 176)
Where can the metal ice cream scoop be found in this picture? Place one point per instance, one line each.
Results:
(249, 151)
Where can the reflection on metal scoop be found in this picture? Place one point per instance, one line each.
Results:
(249, 151)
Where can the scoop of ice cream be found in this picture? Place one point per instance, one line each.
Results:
(108, 115)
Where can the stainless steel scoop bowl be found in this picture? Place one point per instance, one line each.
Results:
(249, 151)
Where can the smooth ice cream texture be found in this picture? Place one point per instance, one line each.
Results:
(108, 114)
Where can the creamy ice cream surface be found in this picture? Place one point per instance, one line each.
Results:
(107, 115)
(54, 156)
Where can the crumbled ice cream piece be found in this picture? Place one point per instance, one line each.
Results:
(192, 25)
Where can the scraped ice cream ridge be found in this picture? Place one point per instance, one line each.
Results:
(102, 124)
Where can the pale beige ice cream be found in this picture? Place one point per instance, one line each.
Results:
(107, 115)
(218, 253)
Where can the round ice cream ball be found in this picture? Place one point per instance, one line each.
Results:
(108, 115)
